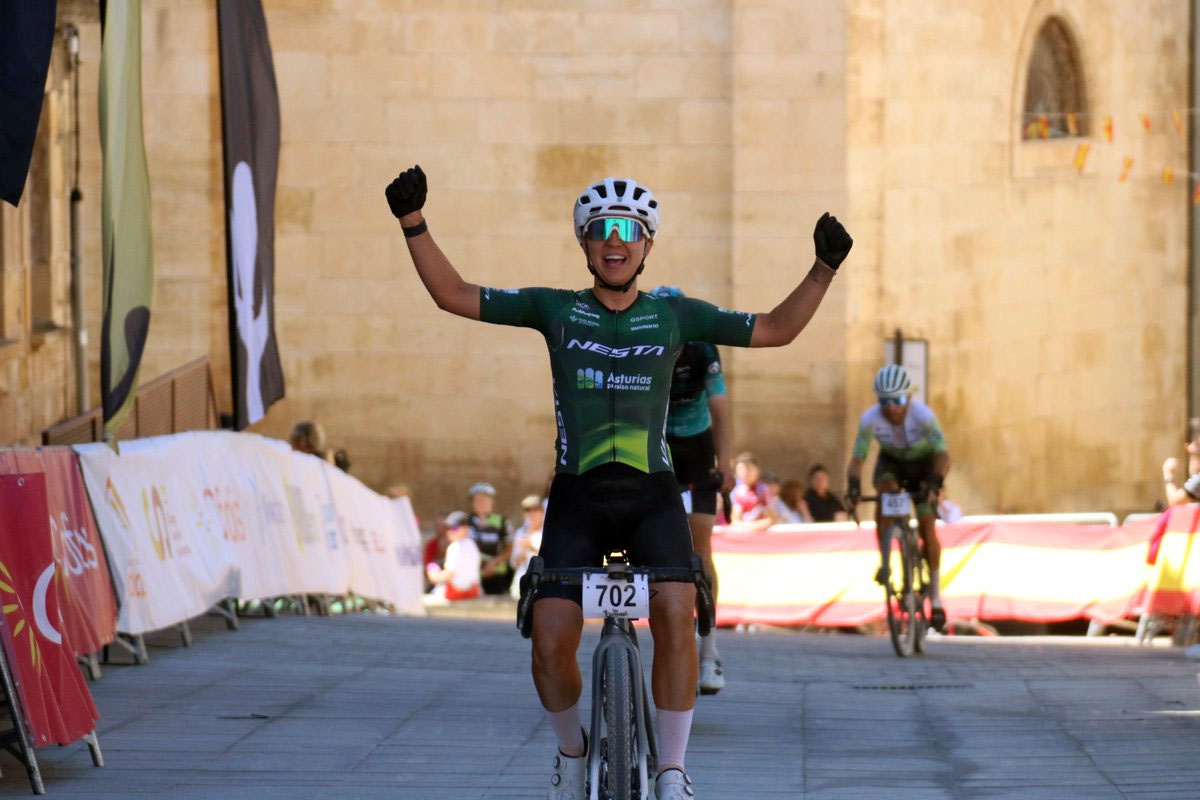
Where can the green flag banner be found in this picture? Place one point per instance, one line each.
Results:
(125, 207)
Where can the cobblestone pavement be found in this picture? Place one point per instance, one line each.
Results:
(428, 708)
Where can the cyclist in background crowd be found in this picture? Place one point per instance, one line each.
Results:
(699, 438)
(913, 456)
(612, 350)
(493, 535)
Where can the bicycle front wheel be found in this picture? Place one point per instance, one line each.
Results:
(618, 764)
(901, 601)
(921, 598)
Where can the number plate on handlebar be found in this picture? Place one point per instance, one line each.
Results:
(894, 504)
(608, 597)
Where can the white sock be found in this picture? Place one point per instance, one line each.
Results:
(708, 647)
(674, 727)
(935, 587)
(569, 730)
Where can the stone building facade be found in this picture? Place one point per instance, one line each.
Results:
(1053, 300)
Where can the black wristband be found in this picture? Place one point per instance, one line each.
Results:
(415, 230)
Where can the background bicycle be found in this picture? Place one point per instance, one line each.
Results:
(906, 579)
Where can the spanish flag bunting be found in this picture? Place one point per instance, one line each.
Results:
(1081, 154)
(1168, 176)
(1073, 123)
(1177, 118)
(1044, 125)
(1125, 167)
(1108, 128)
(1145, 120)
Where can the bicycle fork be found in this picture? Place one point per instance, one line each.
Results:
(618, 640)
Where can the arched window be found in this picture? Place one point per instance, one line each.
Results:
(1055, 95)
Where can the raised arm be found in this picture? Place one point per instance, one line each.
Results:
(406, 198)
(787, 319)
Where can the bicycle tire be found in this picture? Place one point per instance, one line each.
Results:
(920, 596)
(901, 602)
(619, 746)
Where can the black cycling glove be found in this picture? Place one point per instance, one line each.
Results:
(406, 194)
(831, 240)
(931, 487)
(853, 489)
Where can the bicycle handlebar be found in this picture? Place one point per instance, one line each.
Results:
(573, 576)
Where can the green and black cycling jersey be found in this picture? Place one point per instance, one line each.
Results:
(612, 369)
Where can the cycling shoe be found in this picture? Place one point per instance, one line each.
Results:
(937, 619)
(569, 781)
(673, 784)
(882, 575)
(712, 677)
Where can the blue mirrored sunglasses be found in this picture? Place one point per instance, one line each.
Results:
(629, 230)
(893, 401)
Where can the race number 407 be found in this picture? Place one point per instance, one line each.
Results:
(608, 597)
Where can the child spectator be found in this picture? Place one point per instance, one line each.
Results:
(750, 499)
(458, 579)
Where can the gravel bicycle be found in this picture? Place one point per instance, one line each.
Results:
(906, 589)
(623, 755)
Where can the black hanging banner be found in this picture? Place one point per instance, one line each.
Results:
(250, 106)
(26, 38)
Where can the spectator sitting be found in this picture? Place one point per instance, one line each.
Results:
(493, 536)
(790, 495)
(459, 578)
(309, 437)
(1189, 492)
(784, 513)
(526, 541)
(823, 505)
(750, 499)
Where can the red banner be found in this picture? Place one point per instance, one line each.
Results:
(1174, 553)
(52, 691)
(815, 575)
(89, 608)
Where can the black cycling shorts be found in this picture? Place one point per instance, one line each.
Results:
(695, 458)
(909, 474)
(613, 507)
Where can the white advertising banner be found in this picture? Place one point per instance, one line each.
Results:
(192, 518)
(167, 566)
(382, 544)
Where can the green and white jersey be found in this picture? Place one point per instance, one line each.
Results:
(918, 436)
(612, 369)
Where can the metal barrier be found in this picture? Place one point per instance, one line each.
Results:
(181, 400)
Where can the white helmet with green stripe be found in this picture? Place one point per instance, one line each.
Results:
(616, 197)
(892, 381)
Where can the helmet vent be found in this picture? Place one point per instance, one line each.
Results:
(620, 187)
(638, 192)
(653, 204)
(600, 190)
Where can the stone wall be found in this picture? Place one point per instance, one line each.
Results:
(1054, 302)
(1056, 355)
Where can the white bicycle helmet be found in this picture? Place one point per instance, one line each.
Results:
(892, 381)
(482, 487)
(616, 197)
